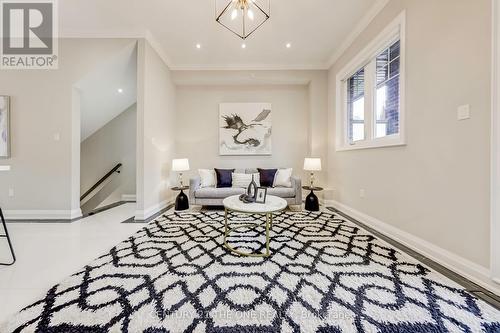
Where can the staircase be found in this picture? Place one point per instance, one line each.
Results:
(100, 190)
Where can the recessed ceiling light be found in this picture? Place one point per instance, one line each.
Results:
(243, 46)
(120, 90)
(288, 45)
(198, 46)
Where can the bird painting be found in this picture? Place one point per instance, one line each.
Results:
(245, 129)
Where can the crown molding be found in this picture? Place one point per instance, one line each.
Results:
(358, 29)
(156, 45)
(147, 35)
(250, 67)
(103, 35)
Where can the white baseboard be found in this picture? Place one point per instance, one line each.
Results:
(468, 269)
(76, 213)
(42, 214)
(141, 215)
(129, 197)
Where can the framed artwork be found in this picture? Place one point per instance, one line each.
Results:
(245, 129)
(4, 127)
(260, 195)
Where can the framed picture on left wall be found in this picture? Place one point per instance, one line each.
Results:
(4, 126)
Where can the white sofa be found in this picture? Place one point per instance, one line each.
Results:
(213, 196)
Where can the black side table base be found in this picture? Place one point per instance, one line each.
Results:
(312, 202)
(182, 201)
(8, 240)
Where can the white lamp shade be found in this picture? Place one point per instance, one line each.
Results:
(312, 164)
(181, 164)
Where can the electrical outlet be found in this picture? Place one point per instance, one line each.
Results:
(11, 192)
(362, 193)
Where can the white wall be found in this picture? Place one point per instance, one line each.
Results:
(112, 144)
(198, 119)
(436, 187)
(44, 169)
(299, 102)
(156, 131)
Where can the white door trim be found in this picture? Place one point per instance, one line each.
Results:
(495, 145)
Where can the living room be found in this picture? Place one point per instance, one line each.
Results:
(253, 165)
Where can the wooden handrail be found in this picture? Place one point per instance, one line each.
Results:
(102, 180)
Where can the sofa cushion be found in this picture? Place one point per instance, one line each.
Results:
(207, 177)
(224, 177)
(282, 192)
(283, 178)
(267, 177)
(218, 193)
(243, 180)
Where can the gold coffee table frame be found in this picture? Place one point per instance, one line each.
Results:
(268, 224)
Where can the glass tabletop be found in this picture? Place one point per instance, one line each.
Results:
(179, 188)
(314, 188)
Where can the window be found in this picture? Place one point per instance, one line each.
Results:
(356, 106)
(370, 94)
(387, 92)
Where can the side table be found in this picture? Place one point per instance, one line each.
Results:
(182, 201)
(312, 202)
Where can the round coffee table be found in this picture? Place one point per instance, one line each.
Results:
(272, 205)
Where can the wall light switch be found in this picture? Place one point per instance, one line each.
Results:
(11, 192)
(362, 193)
(57, 136)
(463, 112)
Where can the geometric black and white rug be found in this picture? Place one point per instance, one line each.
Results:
(325, 274)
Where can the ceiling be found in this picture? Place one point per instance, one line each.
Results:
(108, 90)
(316, 30)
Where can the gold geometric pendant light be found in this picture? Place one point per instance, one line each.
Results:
(242, 17)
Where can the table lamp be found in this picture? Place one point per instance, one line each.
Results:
(311, 165)
(180, 165)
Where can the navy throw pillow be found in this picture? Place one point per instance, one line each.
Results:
(224, 177)
(267, 177)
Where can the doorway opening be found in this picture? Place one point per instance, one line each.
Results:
(108, 124)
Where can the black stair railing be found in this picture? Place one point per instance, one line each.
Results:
(102, 180)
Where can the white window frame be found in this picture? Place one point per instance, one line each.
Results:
(394, 31)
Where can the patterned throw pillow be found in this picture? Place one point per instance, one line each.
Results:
(242, 180)
(267, 177)
(224, 177)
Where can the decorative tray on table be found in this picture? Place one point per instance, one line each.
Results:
(245, 198)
